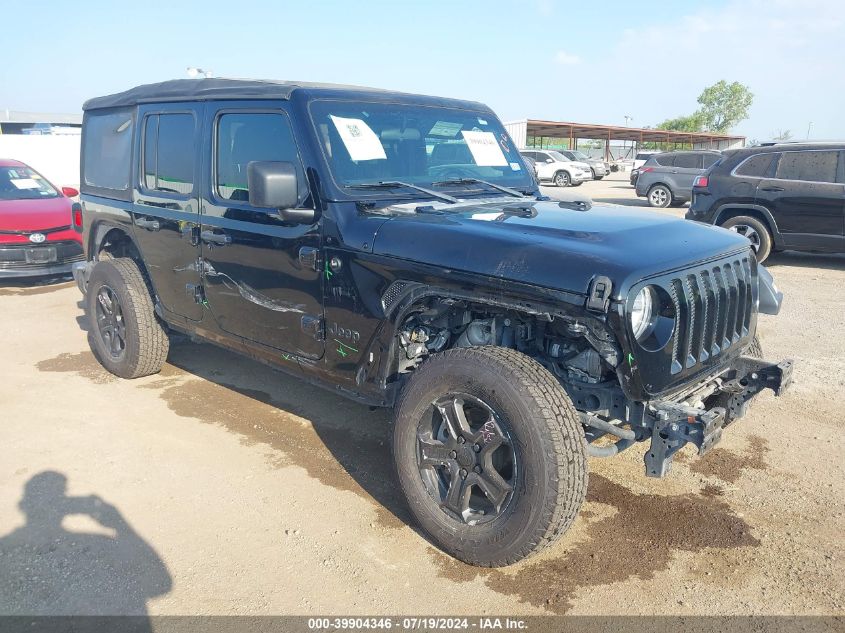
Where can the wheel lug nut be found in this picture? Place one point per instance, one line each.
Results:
(453, 454)
(461, 440)
(463, 473)
(477, 469)
(476, 448)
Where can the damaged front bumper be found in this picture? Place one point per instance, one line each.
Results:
(672, 425)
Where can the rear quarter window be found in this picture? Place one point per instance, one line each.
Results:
(708, 160)
(107, 151)
(688, 161)
(665, 161)
(755, 166)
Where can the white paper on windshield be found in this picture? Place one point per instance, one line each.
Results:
(360, 140)
(485, 149)
(445, 128)
(25, 183)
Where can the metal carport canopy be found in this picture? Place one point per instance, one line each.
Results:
(566, 129)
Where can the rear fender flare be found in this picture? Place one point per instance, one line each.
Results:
(754, 209)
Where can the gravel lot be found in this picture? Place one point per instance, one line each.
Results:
(223, 487)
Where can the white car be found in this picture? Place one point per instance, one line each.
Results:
(641, 158)
(556, 168)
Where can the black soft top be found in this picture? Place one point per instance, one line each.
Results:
(216, 89)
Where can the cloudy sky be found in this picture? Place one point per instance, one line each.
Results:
(587, 62)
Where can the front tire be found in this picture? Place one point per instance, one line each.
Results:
(124, 333)
(490, 454)
(755, 231)
(562, 179)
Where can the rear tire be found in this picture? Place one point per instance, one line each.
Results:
(659, 196)
(124, 333)
(496, 424)
(756, 232)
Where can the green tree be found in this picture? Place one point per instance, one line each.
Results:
(782, 135)
(723, 105)
(691, 123)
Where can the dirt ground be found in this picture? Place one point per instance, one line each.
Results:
(223, 487)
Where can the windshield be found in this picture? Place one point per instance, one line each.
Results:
(23, 183)
(560, 157)
(368, 143)
(580, 156)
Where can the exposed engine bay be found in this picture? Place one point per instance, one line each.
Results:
(580, 353)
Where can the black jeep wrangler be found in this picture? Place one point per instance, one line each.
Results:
(309, 227)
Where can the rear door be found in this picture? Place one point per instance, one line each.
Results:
(806, 196)
(165, 204)
(686, 167)
(261, 276)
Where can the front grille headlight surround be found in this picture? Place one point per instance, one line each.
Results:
(652, 317)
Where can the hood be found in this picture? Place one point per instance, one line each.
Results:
(35, 215)
(578, 163)
(556, 247)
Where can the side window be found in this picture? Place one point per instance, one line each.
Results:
(168, 153)
(709, 159)
(107, 150)
(809, 166)
(245, 137)
(665, 161)
(688, 161)
(755, 166)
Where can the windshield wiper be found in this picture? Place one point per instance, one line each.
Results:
(392, 184)
(477, 181)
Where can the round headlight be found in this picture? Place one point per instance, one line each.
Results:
(643, 313)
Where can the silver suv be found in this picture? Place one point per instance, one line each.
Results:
(598, 167)
(552, 166)
(666, 179)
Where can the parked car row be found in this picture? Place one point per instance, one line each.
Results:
(555, 167)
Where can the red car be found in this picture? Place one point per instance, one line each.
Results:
(40, 226)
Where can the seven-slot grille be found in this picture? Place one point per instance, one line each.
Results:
(713, 310)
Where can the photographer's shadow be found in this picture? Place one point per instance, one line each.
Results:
(48, 570)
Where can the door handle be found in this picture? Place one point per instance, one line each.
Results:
(146, 223)
(210, 237)
(771, 189)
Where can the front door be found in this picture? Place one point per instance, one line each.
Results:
(165, 207)
(261, 276)
(806, 200)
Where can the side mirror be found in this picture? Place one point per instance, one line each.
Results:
(70, 192)
(273, 185)
(550, 160)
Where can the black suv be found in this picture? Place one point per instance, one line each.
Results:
(785, 196)
(309, 227)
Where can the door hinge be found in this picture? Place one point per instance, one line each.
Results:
(197, 292)
(314, 326)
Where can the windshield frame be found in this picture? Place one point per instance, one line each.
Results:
(350, 193)
(56, 193)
